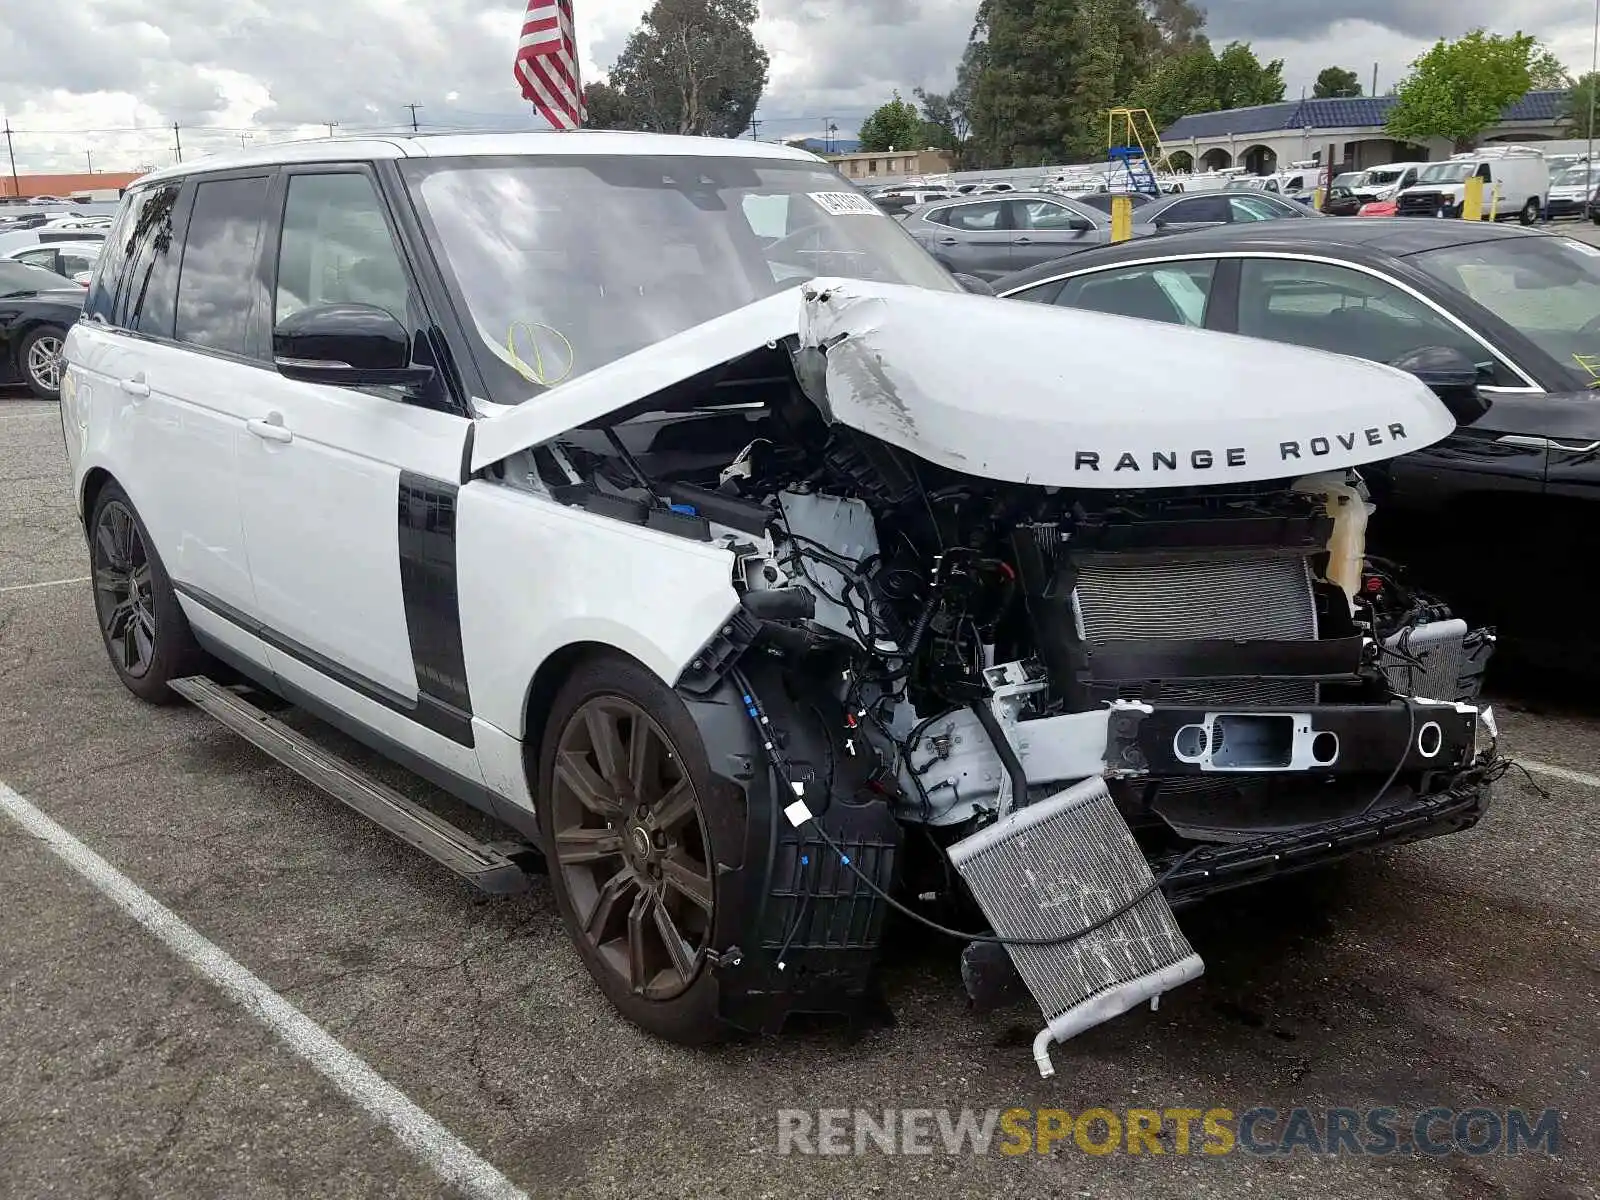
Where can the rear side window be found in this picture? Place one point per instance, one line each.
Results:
(977, 218)
(101, 299)
(150, 271)
(216, 292)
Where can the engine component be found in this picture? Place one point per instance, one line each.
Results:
(1428, 660)
(831, 538)
(1057, 867)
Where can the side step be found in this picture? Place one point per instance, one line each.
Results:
(486, 867)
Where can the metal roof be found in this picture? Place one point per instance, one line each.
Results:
(1361, 112)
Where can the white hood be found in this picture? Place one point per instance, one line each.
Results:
(1031, 393)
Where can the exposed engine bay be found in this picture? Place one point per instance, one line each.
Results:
(1214, 682)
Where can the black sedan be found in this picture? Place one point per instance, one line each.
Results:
(37, 307)
(1507, 321)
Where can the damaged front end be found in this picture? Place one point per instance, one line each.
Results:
(1032, 626)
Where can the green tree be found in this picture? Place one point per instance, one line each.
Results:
(893, 126)
(1046, 72)
(945, 123)
(1198, 81)
(606, 108)
(1335, 82)
(1458, 89)
(1580, 108)
(1176, 25)
(692, 66)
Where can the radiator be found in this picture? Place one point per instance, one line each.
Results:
(1429, 661)
(1059, 866)
(1259, 596)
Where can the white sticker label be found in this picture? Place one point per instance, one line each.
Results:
(846, 204)
(797, 813)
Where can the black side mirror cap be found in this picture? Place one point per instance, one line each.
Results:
(1451, 375)
(978, 287)
(346, 345)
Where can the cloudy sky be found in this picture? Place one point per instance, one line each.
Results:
(108, 78)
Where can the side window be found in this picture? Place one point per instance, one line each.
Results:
(939, 216)
(102, 297)
(150, 273)
(216, 293)
(1345, 311)
(42, 257)
(1258, 208)
(1200, 208)
(977, 218)
(1042, 214)
(1484, 173)
(336, 248)
(1175, 293)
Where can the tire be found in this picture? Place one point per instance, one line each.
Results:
(630, 853)
(144, 631)
(39, 360)
(1531, 211)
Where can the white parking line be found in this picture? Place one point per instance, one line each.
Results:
(1539, 768)
(28, 587)
(430, 1141)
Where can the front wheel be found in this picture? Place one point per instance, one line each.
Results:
(1531, 211)
(39, 356)
(144, 630)
(626, 807)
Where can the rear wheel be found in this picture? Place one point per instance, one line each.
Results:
(144, 630)
(39, 356)
(624, 788)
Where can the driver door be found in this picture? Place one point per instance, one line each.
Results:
(348, 494)
(1046, 230)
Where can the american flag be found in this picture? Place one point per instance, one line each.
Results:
(547, 63)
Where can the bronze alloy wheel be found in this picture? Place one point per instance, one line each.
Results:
(630, 843)
(123, 596)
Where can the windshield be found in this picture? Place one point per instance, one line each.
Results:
(1579, 176)
(562, 264)
(1547, 288)
(1347, 181)
(1450, 172)
(1383, 178)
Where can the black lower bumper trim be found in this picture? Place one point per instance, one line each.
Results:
(1224, 867)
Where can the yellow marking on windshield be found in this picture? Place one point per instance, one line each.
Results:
(1591, 364)
(535, 372)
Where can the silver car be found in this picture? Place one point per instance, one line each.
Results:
(990, 236)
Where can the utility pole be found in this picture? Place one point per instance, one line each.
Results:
(754, 126)
(1374, 91)
(16, 186)
(89, 154)
(828, 130)
(177, 141)
(413, 108)
(332, 125)
(243, 138)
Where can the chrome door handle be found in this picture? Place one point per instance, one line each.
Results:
(1525, 443)
(1589, 449)
(271, 429)
(135, 386)
(949, 241)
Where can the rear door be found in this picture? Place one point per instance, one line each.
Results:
(971, 239)
(164, 412)
(349, 494)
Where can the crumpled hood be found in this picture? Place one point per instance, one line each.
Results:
(1031, 393)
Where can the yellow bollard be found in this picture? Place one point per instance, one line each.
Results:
(1494, 203)
(1121, 218)
(1316, 200)
(1472, 200)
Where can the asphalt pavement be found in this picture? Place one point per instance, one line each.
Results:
(1459, 973)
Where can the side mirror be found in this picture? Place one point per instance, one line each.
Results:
(346, 345)
(1451, 375)
(1081, 224)
(973, 284)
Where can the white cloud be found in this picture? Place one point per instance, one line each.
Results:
(111, 76)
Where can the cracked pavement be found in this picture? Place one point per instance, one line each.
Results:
(1458, 972)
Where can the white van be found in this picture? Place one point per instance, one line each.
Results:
(1388, 181)
(1516, 183)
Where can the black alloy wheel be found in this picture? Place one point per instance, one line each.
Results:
(628, 833)
(124, 596)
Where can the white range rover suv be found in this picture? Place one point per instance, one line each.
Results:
(663, 500)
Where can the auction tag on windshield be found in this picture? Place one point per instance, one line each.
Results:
(846, 204)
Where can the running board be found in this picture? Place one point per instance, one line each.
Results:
(488, 868)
